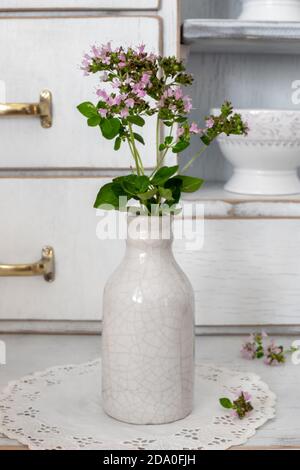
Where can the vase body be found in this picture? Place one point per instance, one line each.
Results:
(148, 330)
(271, 10)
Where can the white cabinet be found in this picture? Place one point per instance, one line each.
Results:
(49, 177)
(79, 4)
(45, 53)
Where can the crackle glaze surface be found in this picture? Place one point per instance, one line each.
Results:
(148, 332)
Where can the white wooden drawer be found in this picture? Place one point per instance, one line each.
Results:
(56, 212)
(79, 4)
(248, 271)
(45, 53)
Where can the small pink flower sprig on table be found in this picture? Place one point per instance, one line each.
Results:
(260, 346)
(138, 85)
(241, 406)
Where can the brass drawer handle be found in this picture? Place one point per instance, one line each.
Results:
(43, 109)
(44, 267)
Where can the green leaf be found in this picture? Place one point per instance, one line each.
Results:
(180, 146)
(205, 139)
(169, 140)
(110, 127)
(168, 123)
(163, 174)
(109, 194)
(190, 184)
(137, 120)
(87, 109)
(180, 119)
(161, 147)
(148, 194)
(101, 104)
(118, 142)
(133, 184)
(165, 193)
(94, 121)
(175, 185)
(226, 403)
(139, 138)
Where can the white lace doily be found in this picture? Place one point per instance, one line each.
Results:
(60, 408)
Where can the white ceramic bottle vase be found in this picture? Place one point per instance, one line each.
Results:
(148, 330)
(271, 10)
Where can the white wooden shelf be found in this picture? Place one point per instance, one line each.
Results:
(219, 203)
(234, 36)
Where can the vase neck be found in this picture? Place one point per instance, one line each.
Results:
(150, 232)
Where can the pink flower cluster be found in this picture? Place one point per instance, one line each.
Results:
(274, 355)
(194, 129)
(248, 350)
(245, 397)
(256, 347)
(122, 100)
(174, 99)
(104, 53)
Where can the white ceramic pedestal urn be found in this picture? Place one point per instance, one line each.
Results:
(271, 10)
(148, 330)
(265, 162)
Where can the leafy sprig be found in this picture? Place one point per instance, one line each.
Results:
(141, 85)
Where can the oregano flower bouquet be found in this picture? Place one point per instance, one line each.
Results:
(136, 86)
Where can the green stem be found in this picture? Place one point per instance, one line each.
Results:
(168, 148)
(136, 152)
(197, 155)
(157, 140)
(161, 159)
(134, 156)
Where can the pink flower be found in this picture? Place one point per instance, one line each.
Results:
(102, 112)
(114, 100)
(247, 395)
(178, 94)
(116, 83)
(180, 131)
(141, 49)
(96, 52)
(85, 64)
(138, 89)
(194, 129)
(124, 112)
(145, 79)
(187, 104)
(106, 48)
(102, 94)
(248, 350)
(130, 102)
(141, 93)
(210, 123)
(121, 65)
(106, 60)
